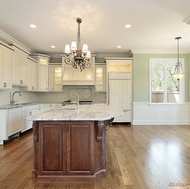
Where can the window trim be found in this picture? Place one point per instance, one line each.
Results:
(182, 82)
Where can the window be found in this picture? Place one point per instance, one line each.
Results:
(163, 87)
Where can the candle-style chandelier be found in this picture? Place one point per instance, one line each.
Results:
(75, 56)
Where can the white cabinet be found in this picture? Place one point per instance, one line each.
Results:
(55, 78)
(27, 113)
(72, 76)
(119, 86)
(100, 85)
(42, 71)
(10, 123)
(14, 121)
(6, 61)
(32, 64)
(120, 94)
(20, 68)
(3, 126)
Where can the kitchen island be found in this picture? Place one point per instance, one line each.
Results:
(70, 143)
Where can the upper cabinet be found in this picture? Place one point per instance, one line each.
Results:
(20, 67)
(32, 75)
(119, 64)
(73, 76)
(6, 60)
(55, 78)
(42, 71)
(100, 84)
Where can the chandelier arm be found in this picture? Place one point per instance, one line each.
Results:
(68, 61)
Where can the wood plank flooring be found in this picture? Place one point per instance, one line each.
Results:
(138, 157)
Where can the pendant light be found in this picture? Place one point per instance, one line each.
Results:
(178, 71)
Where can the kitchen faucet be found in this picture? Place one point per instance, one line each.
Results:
(77, 99)
(12, 97)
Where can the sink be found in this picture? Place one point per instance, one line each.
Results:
(69, 107)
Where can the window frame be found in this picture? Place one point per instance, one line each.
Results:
(181, 81)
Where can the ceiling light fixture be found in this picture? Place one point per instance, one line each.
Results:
(127, 26)
(52, 46)
(76, 57)
(178, 71)
(119, 46)
(33, 26)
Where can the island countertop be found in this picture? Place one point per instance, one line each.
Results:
(92, 112)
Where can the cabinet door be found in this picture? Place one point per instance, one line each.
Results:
(100, 85)
(55, 78)
(20, 68)
(23, 70)
(6, 58)
(26, 124)
(7, 71)
(120, 96)
(43, 78)
(80, 147)
(53, 140)
(3, 127)
(14, 123)
(32, 75)
(1, 67)
(16, 69)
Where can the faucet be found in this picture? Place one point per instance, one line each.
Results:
(77, 99)
(12, 97)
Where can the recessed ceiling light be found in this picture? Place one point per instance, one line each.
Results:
(33, 26)
(119, 46)
(127, 26)
(52, 46)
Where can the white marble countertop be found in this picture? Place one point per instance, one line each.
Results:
(92, 112)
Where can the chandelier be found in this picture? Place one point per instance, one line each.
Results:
(178, 71)
(75, 56)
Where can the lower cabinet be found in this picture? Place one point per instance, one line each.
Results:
(10, 123)
(14, 121)
(68, 151)
(27, 113)
(69, 145)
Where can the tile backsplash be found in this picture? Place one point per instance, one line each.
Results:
(84, 93)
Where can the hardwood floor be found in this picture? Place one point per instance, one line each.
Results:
(138, 157)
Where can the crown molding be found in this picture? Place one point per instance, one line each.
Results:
(13, 42)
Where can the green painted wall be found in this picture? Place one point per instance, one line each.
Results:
(141, 75)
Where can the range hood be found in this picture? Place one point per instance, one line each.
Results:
(72, 76)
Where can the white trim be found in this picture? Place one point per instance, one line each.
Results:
(145, 113)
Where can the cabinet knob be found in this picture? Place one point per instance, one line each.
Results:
(4, 84)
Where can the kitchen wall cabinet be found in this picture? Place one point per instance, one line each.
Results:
(100, 85)
(6, 62)
(69, 144)
(27, 113)
(32, 75)
(55, 78)
(73, 76)
(20, 67)
(42, 71)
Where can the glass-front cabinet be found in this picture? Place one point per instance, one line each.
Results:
(100, 84)
(55, 78)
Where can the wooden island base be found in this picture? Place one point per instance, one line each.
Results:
(69, 151)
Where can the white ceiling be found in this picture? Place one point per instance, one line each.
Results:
(155, 24)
